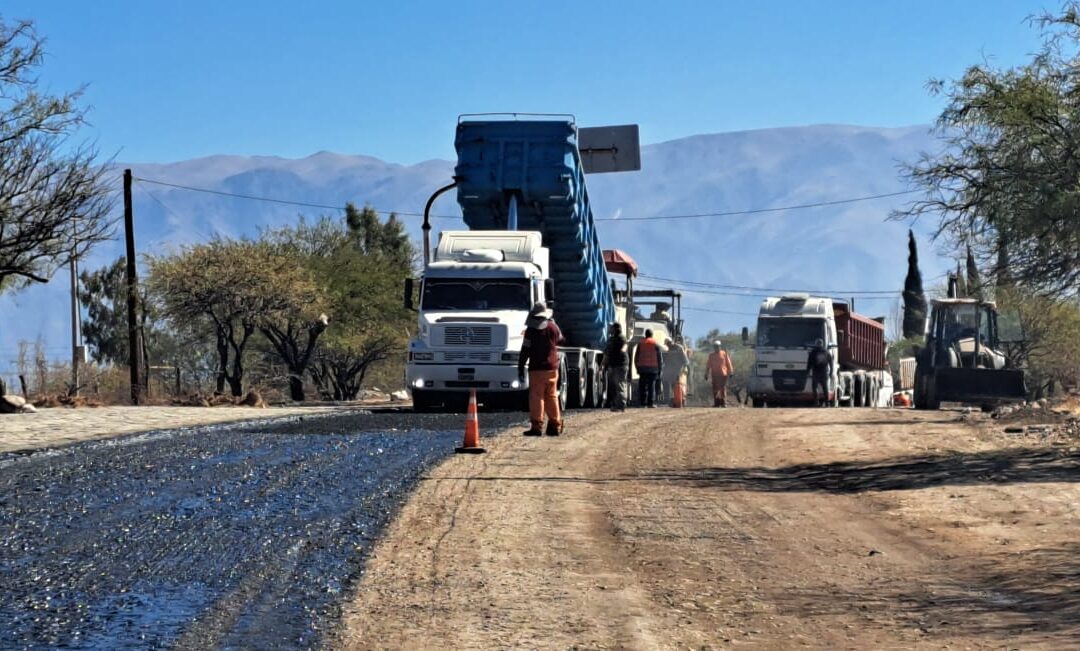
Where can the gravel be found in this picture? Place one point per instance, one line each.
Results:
(215, 537)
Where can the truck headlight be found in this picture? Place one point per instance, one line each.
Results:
(515, 384)
(422, 357)
(418, 383)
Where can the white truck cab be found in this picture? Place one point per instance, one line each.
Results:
(788, 328)
(474, 298)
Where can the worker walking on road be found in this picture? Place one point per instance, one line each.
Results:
(540, 350)
(676, 362)
(650, 363)
(615, 363)
(819, 364)
(718, 369)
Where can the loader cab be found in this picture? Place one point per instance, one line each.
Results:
(963, 360)
(964, 334)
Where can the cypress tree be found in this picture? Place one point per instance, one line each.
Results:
(914, 298)
(974, 283)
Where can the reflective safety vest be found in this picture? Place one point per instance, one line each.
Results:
(648, 354)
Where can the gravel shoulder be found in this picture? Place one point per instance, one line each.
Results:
(738, 528)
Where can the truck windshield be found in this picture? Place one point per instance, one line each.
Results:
(462, 294)
(789, 333)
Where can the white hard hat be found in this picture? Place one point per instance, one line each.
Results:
(717, 343)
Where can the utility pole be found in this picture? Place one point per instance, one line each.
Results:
(134, 350)
(75, 325)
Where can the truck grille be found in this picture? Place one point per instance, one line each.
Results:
(468, 335)
(793, 381)
(467, 356)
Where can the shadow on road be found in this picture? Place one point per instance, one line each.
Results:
(903, 473)
(1035, 592)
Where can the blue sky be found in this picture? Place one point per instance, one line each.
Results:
(175, 80)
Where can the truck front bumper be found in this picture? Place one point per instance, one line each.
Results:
(488, 378)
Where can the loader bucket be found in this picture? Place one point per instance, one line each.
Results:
(979, 385)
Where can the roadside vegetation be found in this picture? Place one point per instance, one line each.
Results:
(1004, 190)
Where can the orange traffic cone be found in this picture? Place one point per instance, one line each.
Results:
(471, 444)
(678, 398)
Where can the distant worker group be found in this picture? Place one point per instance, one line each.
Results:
(662, 370)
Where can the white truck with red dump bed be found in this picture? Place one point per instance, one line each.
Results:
(787, 329)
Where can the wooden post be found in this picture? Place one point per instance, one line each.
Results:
(75, 361)
(177, 381)
(134, 349)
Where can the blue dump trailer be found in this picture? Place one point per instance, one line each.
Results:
(536, 165)
(531, 238)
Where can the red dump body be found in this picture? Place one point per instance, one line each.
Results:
(862, 342)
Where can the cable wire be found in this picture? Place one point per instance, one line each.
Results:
(756, 211)
(729, 213)
(856, 292)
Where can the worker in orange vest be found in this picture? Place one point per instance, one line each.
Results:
(650, 363)
(718, 369)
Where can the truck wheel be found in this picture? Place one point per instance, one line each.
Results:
(561, 385)
(757, 403)
(575, 390)
(858, 391)
(932, 401)
(594, 392)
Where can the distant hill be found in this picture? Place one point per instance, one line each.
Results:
(843, 247)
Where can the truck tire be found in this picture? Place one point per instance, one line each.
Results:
(561, 382)
(932, 401)
(594, 392)
(757, 403)
(421, 402)
(574, 390)
(858, 390)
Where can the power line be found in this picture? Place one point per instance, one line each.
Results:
(856, 292)
(705, 309)
(756, 211)
(287, 202)
(729, 213)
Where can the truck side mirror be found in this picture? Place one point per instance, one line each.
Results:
(746, 336)
(549, 292)
(409, 282)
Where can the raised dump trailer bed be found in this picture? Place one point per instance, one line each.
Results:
(535, 167)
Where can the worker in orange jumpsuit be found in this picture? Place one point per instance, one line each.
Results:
(718, 369)
(540, 350)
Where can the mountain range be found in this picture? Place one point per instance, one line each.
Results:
(842, 248)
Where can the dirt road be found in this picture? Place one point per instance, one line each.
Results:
(708, 529)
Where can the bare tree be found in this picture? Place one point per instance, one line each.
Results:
(54, 202)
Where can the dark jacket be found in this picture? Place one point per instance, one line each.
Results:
(615, 352)
(540, 347)
(818, 361)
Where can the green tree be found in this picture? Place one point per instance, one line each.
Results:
(974, 280)
(1045, 337)
(236, 286)
(1006, 182)
(103, 294)
(294, 334)
(914, 298)
(363, 278)
(54, 201)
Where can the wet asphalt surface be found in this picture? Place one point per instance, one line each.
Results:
(227, 537)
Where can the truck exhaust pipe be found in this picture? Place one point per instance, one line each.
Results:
(512, 217)
(427, 219)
